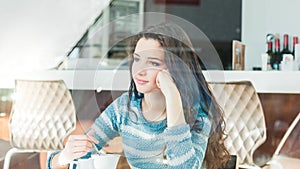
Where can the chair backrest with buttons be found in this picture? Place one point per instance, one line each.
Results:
(244, 117)
(43, 114)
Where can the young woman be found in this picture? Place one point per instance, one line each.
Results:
(168, 118)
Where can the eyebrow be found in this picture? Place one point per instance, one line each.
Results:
(136, 54)
(152, 58)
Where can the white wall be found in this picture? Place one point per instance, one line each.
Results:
(260, 17)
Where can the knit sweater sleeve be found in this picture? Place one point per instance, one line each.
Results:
(186, 148)
(107, 125)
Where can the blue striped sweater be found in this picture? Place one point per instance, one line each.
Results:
(151, 144)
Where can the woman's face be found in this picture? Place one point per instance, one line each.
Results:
(148, 60)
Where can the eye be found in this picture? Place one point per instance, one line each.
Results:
(154, 63)
(136, 59)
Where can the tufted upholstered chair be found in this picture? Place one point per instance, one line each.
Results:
(244, 117)
(43, 114)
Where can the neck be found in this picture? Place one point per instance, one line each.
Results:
(154, 106)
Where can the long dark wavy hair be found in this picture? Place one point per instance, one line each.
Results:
(185, 67)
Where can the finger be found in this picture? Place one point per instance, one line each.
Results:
(78, 138)
(82, 144)
(79, 154)
(74, 138)
(166, 70)
(77, 145)
(77, 149)
(167, 74)
(163, 74)
(157, 82)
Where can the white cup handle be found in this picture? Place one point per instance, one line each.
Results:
(71, 166)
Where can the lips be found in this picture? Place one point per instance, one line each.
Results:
(140, 81)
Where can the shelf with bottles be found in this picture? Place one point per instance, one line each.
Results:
(284, 59)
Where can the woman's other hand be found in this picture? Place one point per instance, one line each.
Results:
(76, 147)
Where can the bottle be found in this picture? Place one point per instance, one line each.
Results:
(270, 55)
(286, 54)
(277, 54)
(295, 41)
(285, 49)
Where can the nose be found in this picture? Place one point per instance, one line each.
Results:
(139, 69)
(142, 71)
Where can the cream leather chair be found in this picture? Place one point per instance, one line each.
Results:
(244, 116)
(43, 114)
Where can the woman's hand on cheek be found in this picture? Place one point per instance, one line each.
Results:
(174, 109)
(166, 84)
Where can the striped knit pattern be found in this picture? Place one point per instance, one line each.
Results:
(147, 143)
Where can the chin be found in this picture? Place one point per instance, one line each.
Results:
(144, 91)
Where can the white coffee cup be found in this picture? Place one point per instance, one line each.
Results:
(105, 161)
(83, 164)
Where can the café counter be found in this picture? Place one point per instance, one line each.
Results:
(264, 81)
(279, 92)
